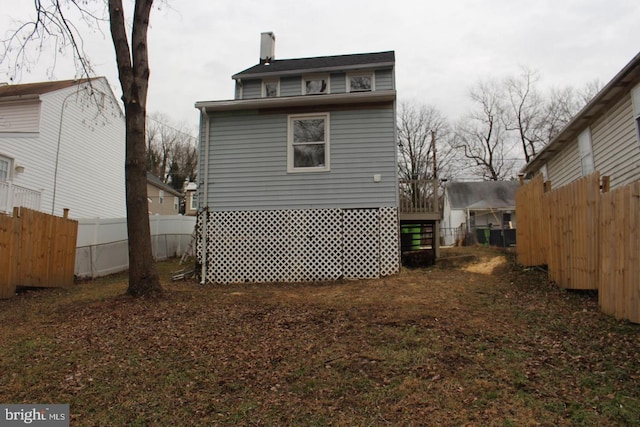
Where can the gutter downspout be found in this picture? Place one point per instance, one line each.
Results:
(205, 201)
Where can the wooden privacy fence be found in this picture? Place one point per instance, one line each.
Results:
(36, 249)
(588, 239)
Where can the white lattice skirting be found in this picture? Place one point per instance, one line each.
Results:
(299, 245)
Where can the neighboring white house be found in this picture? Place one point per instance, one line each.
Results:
(62, 145)
(481, 205)
(604, 136)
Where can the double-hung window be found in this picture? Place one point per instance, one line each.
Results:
(5, 168)
(194, 201)
(315, 85)
(360, 82)
(308, 143)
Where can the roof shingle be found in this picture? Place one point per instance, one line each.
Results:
(38, 88)
(279, 66)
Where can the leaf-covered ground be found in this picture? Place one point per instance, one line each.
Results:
(474, 341)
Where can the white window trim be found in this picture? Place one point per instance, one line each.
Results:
(193, 202)
(635, 101)
(9, 161)
(264, 89)
(545, 172)
(371, 74)
(176, 203)
(585, 150)
(327, 153)
(160, 197)
(316, 77)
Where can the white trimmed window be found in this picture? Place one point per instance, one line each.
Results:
(360, 82)
(176, 203)
(5, 168)
(586, 152)
(308, 143)
(193, 201)
(270, 88)
(160, 196)
(315, 85)
(635, 98)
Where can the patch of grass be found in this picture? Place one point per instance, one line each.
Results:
(476, 342)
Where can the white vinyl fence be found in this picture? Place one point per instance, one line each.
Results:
(101, 247)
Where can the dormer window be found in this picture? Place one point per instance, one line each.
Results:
(270, 88)
(360, 82)
(315, 85)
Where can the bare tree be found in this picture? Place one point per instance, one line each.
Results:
(51, 24)
(481, 136)
(526, 111)
(421, 130)
(171, 151)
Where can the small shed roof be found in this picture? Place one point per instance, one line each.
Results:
(157, 182)
(482, 194)
(318, 64)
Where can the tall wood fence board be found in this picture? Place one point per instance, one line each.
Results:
(533, 224)
(593, 239)
(619, 278)
(36, 249)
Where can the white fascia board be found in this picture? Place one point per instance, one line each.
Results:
(298, 101)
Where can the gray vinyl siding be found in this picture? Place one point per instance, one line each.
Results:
(291, 86)
(248, 163)
(616, 151)
(565, 166)
(251, 89)
(338, 83)
(615, 144)
(384, 79)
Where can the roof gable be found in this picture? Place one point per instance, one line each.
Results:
(319, 64)
(40, 87)
(157, 182)
(482, 195)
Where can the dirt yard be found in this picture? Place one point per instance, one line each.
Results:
(475, 340)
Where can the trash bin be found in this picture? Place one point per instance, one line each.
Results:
(410, 237)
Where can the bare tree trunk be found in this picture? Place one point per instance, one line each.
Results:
(133, 69)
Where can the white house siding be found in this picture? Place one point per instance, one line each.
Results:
(248, 163)
(615, 145)
(20, 116)
(90, 178)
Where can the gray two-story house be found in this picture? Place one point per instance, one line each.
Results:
(298, 173)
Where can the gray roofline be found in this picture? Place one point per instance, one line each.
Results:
(298, 101)
(316, 70)
(612, 90)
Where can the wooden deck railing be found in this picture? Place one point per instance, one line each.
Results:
(419, 196)
(12, 195)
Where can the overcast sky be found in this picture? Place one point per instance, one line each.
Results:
(442, 48)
